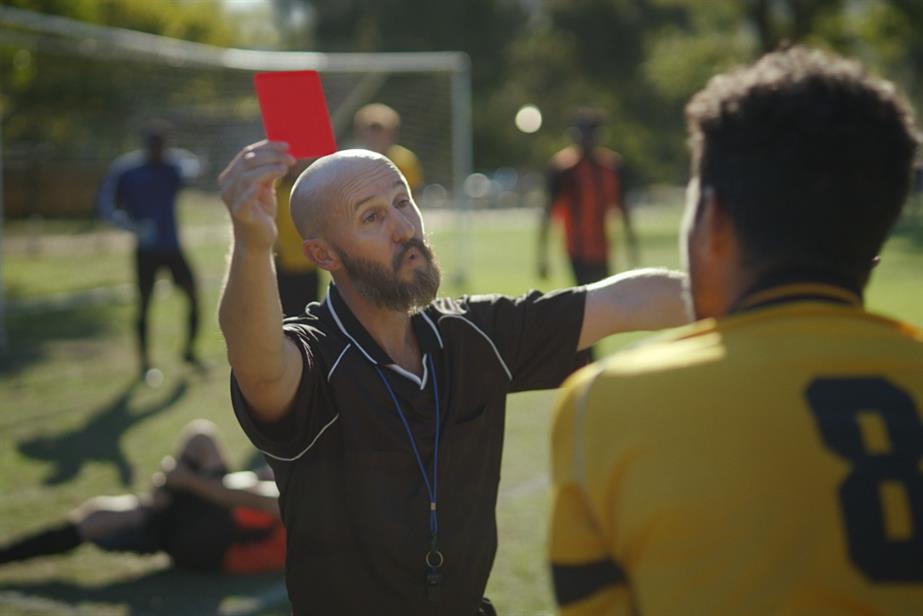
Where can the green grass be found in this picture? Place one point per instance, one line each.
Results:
(73, 426)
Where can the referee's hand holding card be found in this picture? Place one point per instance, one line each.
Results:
(297, 126)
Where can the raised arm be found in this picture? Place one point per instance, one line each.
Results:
(240, 489)
(643, 299)
(266, 364)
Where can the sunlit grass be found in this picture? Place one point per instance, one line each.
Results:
(70, 361)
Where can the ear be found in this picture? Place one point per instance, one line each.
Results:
(720, 238)
(319, 251)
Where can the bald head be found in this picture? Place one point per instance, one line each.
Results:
(331, 185)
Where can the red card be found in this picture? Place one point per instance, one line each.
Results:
(294, 111)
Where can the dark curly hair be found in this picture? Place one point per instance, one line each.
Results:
(809, 156)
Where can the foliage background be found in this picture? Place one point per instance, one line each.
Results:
(639, 60)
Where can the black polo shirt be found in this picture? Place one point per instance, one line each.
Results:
(351, 491)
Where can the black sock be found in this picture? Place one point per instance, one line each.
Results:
(55, 540)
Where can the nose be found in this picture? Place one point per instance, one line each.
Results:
(403, 226)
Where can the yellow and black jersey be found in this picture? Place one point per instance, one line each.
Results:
(767, 463)
(290, 255)
(408, 164)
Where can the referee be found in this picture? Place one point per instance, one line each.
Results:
(381, 409)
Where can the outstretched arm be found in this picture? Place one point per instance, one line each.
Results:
(241, 489)
(266, 364)
(643, 299)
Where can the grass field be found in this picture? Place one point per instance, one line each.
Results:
(74, 423)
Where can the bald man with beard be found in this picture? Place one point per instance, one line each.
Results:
(381, 409)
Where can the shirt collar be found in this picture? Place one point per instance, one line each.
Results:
(424, 328)
(794, 286)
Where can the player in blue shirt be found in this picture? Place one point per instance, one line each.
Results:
(139, 194)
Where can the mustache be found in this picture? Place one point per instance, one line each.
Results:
(413, 242)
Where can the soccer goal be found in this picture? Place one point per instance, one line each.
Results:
(77, 94)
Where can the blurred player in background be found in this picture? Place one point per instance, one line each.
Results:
(296, 274)
(377, 127)
(766, 459)
(139, 194)
(585, 183)
(203, 517)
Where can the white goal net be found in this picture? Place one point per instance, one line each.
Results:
(74, 96)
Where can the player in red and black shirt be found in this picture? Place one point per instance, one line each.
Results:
(203, 517)
(585, 182)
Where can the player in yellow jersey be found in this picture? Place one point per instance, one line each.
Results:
(377, 127)
(767, 459)
(296, 274)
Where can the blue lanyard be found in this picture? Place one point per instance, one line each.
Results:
(434, 558)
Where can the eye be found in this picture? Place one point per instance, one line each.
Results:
(403, 203)
(370, 217)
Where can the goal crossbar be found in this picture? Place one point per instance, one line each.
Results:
(179, 52)
(99, 40)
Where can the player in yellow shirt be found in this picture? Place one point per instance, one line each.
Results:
(296, 274)
(766, 459)
(377, 127)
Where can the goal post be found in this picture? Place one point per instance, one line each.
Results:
(99, 83)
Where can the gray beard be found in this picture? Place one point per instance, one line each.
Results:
(384, 288)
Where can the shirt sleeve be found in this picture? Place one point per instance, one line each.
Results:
(290, 438)
(535, 335)
(586, 579)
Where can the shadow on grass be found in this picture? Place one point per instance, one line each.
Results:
(32, 329)
(167, 591)
(99, 439)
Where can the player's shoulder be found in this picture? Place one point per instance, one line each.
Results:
(823, 325)
(690, 347)
(607, 157)
(564, 159)
(401, 151)
(650, 373)
(733, 348)
(127, 162)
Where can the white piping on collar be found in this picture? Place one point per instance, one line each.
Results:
(486, 337)
(435, 329)
(421, 383)
(337, 362)
(339, 323)
(406, 373)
